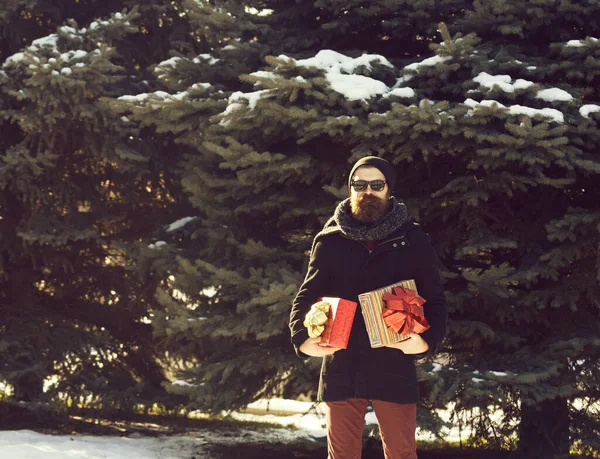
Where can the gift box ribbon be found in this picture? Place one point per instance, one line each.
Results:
(403, 311)
(316, 318)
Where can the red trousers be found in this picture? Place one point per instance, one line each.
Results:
(346, 421)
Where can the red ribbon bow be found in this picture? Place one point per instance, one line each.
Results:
(403, 311)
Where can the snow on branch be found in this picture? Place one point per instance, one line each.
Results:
(179, 224)
(339, 71)
(251, 97)
(344, 74)
(554, 94)
(581, 43)
(334, 62)
(585, 110)
(503, 82)
(429, 62)
(356, 87)
(551, 113)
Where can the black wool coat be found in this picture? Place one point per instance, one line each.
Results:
(341, 267)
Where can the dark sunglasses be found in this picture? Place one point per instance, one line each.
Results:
(361, 185)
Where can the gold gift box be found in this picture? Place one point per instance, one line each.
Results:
(371, 305)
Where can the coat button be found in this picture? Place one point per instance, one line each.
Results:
(395, 245)
(403, 243)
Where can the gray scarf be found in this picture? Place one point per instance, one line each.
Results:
(343, 222)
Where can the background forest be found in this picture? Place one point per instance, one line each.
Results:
(165, 165)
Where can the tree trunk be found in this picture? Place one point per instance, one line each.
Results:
(544, 430)
(28, 388)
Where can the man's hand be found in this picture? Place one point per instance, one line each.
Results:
(414, 345)
(311, 347)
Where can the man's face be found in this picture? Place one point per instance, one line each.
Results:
(369, 206)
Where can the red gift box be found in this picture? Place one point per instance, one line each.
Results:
(339, 323)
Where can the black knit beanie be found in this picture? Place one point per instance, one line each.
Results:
(373, 161)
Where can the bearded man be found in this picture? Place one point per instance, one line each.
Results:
(370, 243)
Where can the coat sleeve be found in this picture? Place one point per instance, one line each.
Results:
(429, 285)
(313, 287)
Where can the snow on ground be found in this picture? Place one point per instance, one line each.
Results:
(307, 418)
(26, 444)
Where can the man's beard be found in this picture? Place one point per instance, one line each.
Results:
(368, 208)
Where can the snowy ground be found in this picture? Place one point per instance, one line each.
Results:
(26, 444)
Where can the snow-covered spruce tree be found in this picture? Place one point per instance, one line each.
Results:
(530, 162)
(199, 86)
(77, 192)
(553, 267)
(495, 140)
(199, 83)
